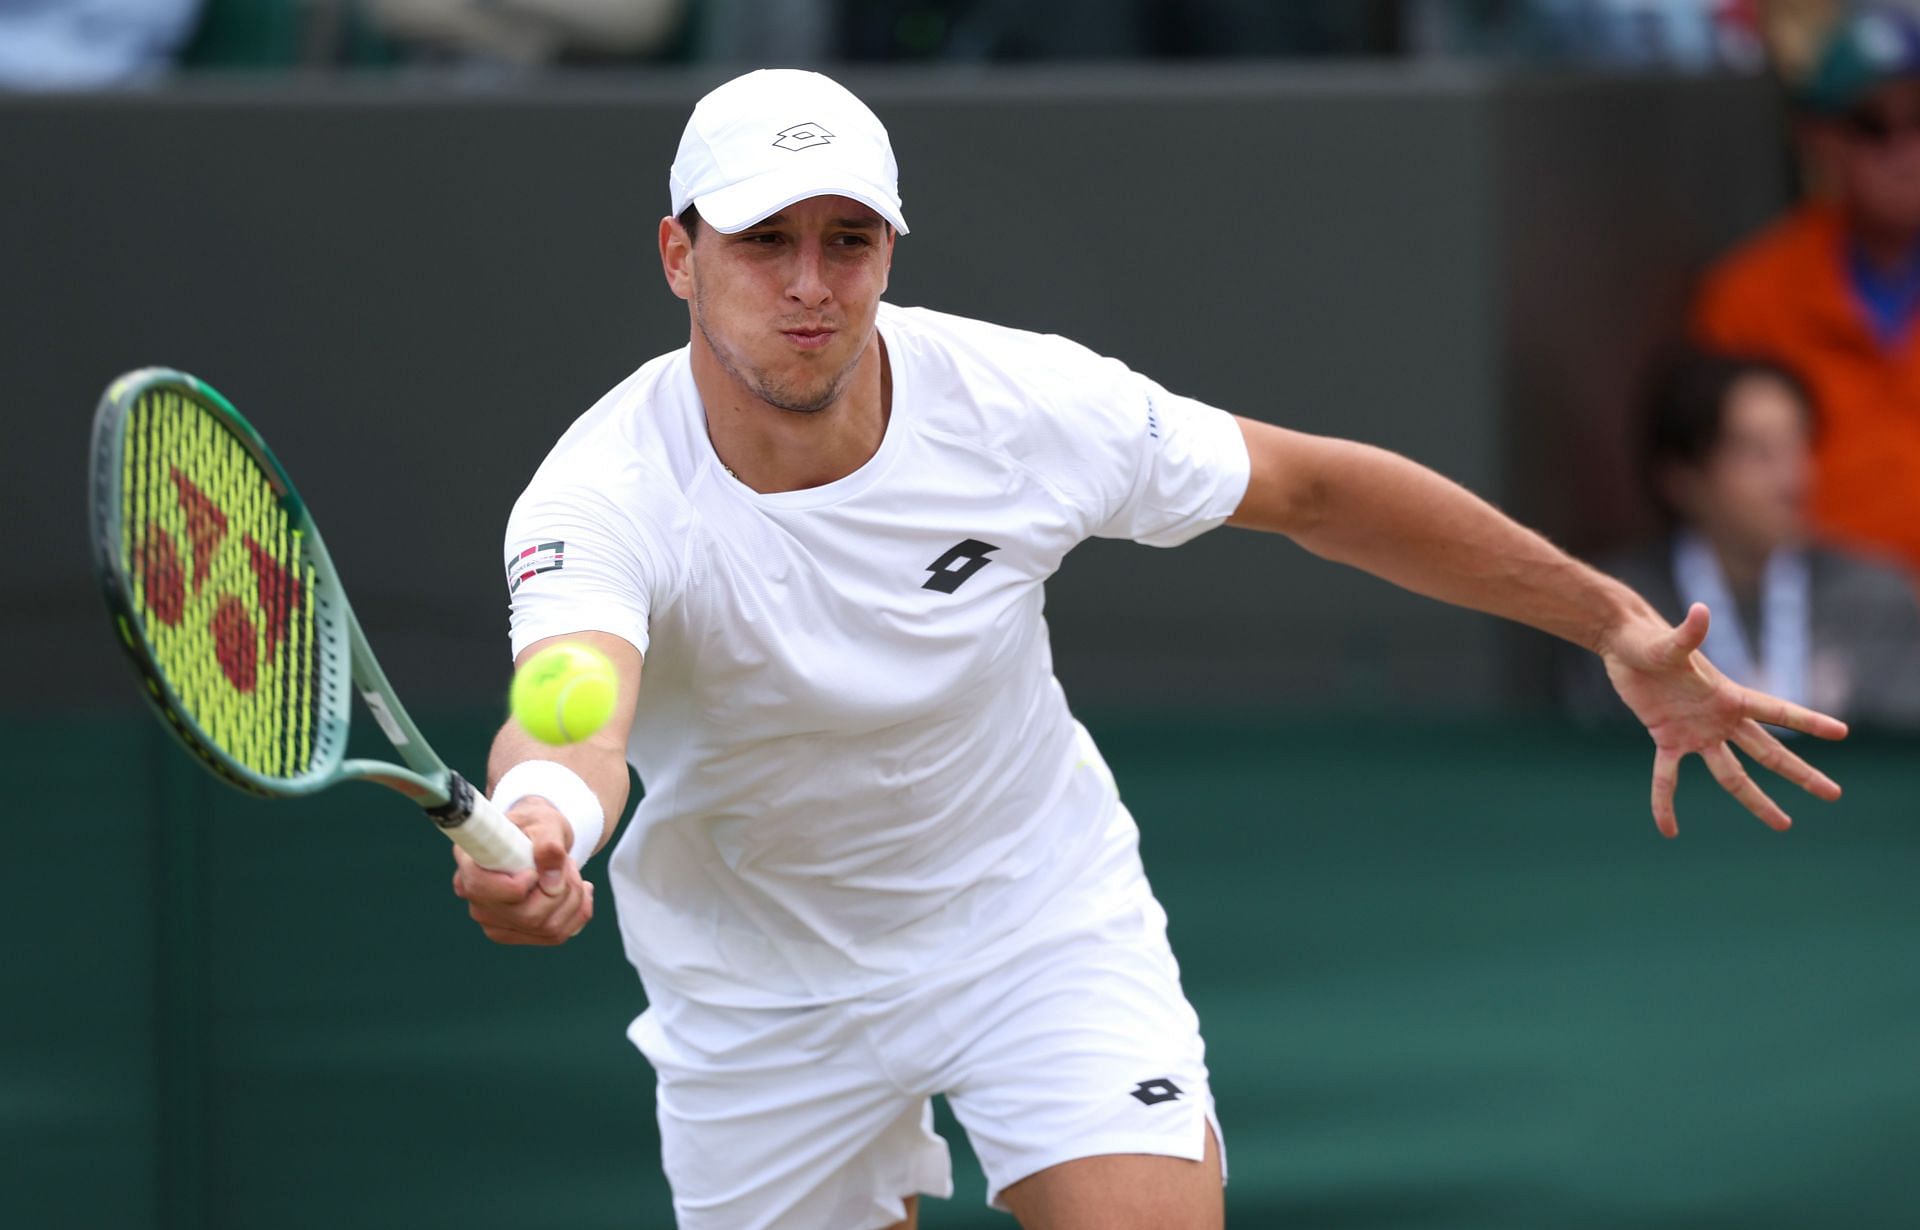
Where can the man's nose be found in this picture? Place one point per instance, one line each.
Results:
(809, 284)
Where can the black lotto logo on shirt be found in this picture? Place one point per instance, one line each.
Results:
(803, 136)
(539, 558)
(951, 570)
(1156, 1091)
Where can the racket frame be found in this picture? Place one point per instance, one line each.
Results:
(449, 799)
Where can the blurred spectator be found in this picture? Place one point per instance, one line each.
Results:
(1833, 289)
(1698, 35)
(1727, 456)
(1796, 31)
(531, 31)
(90, 44)
(999, 30)
(752, 32)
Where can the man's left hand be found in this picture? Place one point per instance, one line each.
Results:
(1690, 707)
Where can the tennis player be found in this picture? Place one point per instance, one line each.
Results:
(877, 858)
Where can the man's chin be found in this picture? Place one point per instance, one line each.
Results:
(801, 400)
(808, 395)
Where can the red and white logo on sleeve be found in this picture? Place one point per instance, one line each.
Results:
(534, 560)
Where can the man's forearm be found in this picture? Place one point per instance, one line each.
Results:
(601, 758)
(1382, 513)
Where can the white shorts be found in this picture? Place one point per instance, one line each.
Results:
(1062, 1042)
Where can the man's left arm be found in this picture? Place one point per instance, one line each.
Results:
(1380, 512)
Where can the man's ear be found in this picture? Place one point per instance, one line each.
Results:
(676, 257)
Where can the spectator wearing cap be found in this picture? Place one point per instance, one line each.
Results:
(90, 44)
(1832, 290)
(1726, 452)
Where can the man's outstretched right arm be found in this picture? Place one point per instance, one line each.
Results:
(581, 788)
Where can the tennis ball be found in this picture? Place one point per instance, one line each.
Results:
(565, 692)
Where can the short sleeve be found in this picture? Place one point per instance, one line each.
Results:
(1128, 458)
(1189, 467)
(577, 560)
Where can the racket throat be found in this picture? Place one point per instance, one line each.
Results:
(458, 808)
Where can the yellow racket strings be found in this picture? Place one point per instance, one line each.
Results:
(221, 588)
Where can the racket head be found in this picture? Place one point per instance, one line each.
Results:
(219, 588)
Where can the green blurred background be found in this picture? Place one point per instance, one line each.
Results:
(1449, 976)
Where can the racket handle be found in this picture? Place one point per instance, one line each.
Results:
(474, 824)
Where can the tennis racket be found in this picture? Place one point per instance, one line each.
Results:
(226, 600)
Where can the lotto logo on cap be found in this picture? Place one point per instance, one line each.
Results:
(778, 136)
(801, 136)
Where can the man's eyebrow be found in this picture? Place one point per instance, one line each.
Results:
(859, 224)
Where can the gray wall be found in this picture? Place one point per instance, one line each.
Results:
(412, 290)
(1612, 196)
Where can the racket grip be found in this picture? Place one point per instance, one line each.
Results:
(474, 824)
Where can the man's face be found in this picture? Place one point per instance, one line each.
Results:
(1875, 155)
(1752, 488)
(786, 306)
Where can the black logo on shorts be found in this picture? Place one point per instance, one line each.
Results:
(1154, 1092)
(803, 136)
(951, 570)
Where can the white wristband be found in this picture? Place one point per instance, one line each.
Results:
(566, 790)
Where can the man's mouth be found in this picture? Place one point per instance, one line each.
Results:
(809, 338)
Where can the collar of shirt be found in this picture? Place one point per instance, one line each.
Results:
(1891, 296)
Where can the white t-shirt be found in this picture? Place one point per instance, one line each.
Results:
(858, 765)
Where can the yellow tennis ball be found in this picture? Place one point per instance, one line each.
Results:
(565, 692)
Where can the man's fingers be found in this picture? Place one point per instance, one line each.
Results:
(1776, 712)
(550, 861)
(563, 925)
(1666, 775)
(546, 904)
(581, 917)
(475, 883)
(539, 911)
(1766, 750)
(502, 931)
(1690, 634)
(537, 917)
(1735, 781)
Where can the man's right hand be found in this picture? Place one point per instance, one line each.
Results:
(548, 905)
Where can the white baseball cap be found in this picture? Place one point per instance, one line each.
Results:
(763, 141)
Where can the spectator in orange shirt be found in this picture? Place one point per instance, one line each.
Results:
(1833, 289)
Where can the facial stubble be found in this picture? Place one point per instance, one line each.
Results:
(765, 387)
